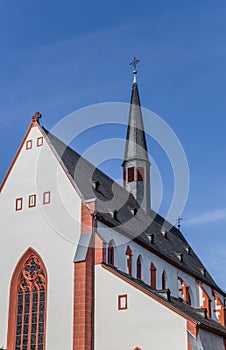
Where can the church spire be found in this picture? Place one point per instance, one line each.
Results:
(136, 164)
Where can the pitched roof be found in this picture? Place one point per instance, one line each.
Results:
(145, 230)
(177, 304)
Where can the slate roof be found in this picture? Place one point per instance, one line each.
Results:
(136, 147)
(145, 230)
(197, 315)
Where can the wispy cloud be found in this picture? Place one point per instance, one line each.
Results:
(207, 217)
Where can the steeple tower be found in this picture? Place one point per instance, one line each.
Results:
(136, 164)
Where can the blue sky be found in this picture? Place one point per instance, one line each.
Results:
(57, 57)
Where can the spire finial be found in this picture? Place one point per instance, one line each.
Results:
(179, 219)
(134, 64)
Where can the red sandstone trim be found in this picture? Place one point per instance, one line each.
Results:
(33, 124)
(86, 217)
(19, 204)
(32, 201)
(28, 144)
(46, 197)
(39, 141)
(189, 343)
(120, 302)
(192, 328)
(83, 302)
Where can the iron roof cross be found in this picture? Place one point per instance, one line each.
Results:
(134, 63)
(36, 116)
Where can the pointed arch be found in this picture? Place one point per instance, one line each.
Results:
(184, 291)
(139, 268)
(129, 254)
(153, 275)
(188, 296)
(164, 280)
(27, 304)
(111, 252)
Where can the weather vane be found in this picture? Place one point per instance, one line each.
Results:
(134, 64)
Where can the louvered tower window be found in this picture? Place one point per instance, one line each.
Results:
(131, 174)
(140, 174)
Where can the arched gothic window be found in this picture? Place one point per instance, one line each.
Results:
(139, 268)
(188, 297)
(184, 291)
(27, 310)
(129, 254)
(111, 253)
(153, 275)
(163, 280)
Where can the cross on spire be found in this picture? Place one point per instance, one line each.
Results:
(36, 117)
(134, 63)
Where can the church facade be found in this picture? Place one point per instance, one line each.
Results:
(86, 264)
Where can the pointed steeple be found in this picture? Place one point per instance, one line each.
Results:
(136, 162)
(136, 147)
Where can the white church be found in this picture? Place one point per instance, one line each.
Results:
(131, 281)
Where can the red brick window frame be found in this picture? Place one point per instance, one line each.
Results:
(131, 174)
(28, 144)
(122, 302)
(32, 201)
(140, 174)
(39, 141)
(46, 197)
(19, 204)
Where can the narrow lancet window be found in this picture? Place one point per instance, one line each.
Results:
(139, 268)
(111, 253)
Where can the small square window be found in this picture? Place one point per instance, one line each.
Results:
(19, 204)
(28, 144)
(32, 201)
(46, 197)
(122, 302)
(39, 141)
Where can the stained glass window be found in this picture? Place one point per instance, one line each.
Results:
(31, 305)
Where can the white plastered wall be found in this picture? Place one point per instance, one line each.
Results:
(52, 230)
(146, 323)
